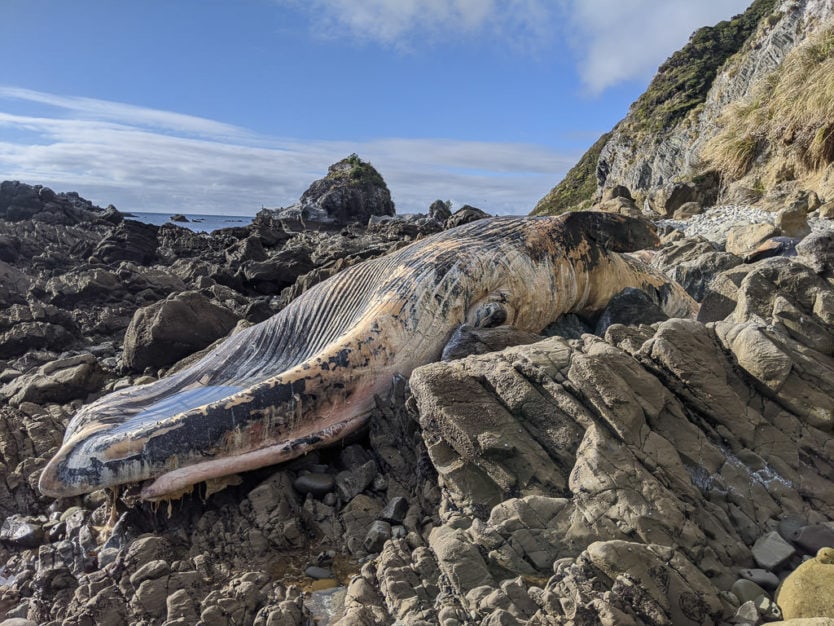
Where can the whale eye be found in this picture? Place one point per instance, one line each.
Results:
(490, 315)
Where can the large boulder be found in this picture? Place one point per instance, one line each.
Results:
(130, 241)
(464, 215)
(809, 590)
(34, 326)
(744, 239)
(57, 381)
(166, 331)
(19, 202)
(643, 470)
(668, 199)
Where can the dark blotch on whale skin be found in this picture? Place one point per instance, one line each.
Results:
(342, 359)
(90, 474)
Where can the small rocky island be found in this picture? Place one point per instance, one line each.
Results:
(628, 469)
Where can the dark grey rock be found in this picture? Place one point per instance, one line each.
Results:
(22, 531)
(812, 538)
(630, 307)
(316, 483)
(130, 241)
(568, 326)
(439, 211)
(350, 483)
(771, 551)
(715, 307)
(171, 329)
(467, 340)
(789, 525)
(395, 511)
(746, 590)
(353, 456)
(378, 534)
(318, 573)
(464, 215)
(762, 577)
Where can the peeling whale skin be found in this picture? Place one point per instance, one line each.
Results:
(307, 377)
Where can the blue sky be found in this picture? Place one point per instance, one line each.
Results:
(210, 106)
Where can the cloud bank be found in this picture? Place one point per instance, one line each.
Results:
(613, 40)
(148, 160)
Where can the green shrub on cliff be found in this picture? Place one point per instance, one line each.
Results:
(682, 82)
(578, 187)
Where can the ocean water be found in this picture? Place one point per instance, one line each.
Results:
(196, 222)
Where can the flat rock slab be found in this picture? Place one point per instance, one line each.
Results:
(771, 551)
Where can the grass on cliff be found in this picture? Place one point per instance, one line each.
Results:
(578, 187)
(790, 115)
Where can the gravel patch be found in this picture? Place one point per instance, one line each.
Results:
(714, 224)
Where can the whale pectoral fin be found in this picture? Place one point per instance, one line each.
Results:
(467, 340)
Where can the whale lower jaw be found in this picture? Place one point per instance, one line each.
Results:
(173, 483)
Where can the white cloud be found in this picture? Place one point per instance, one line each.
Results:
(89, 108)
(147, 160)
(619, 40)
(406, 24)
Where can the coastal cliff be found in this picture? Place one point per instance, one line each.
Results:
(707, 120)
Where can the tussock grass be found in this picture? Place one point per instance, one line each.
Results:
(790, 116)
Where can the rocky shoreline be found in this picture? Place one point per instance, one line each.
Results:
(628, 470)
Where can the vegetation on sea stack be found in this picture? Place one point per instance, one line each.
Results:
(357, 171)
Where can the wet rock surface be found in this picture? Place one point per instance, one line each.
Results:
(656, 471)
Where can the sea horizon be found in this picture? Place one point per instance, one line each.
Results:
(198, 222)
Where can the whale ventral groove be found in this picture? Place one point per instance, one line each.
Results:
(308, 376)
